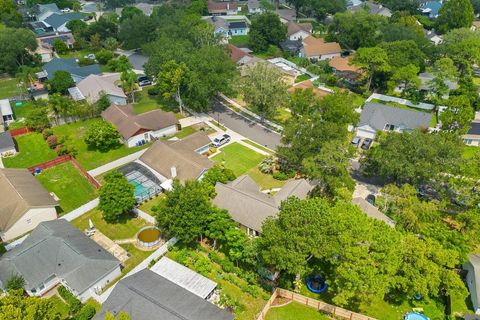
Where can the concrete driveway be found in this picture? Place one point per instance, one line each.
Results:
(247, 128)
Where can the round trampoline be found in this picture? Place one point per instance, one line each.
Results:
(316, 284)
(415, 316)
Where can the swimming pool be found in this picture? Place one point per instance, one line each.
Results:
(415, 316)
(145, 183)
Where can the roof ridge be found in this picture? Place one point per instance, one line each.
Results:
(252, 196)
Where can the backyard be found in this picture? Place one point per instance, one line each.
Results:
(32, 150)
(69, 185)
(89, 158)
(22, 110)
(145, 102)
(239, 41)
(243, 160)
(293, 311)
(148, 206)
(9, 88)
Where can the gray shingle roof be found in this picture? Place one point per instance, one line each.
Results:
(6, 140)
(57, 248)
(147, 295)
(57, 20)
(71, 66)
(371, 211)
(377, 115)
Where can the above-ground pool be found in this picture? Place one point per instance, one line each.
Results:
(148, 237)
(316, 284)
(415, 316)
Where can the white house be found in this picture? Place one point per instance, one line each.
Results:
(6, 112)
(56, 253)
(24, 203)
(137, 129)
(298, 31)
(472, 266)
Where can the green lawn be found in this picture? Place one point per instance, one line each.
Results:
(145, 102)
(136, 256)
(243, 160)
(10, 88)
(147, 206)
(126, 228)
(32, 150)
(185, 132)
(90, 158)
(23, 110)
(61, 307)
(69, 185)
(239, 40)
(294, 311)
(470, 152)
(258, 146)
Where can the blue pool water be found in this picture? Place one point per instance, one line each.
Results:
(415, 316)
(140, 190)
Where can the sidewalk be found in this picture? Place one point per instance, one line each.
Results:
(116, 163)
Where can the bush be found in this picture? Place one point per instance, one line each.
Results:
(153, 91)
(37, 119)
(267, 165)
(85, 62)
(302, 77)
(2, 248)
(279, 175)
(86, 312)
(331, 80)
(16, 282)
(202, 266)
(70, 299)
(102, 135)
(52, 141)
(103, 56)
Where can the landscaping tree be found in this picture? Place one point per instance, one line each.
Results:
(61, 106)
(236, 241)
(120, 64)
(265, 30)
(443, 70)
(101, 135)
(16, 306)
(16, 282)
(218, 174)
(264, 90)
(455, 14)
(372, 61)
(463, 47)
(116, 196)
(171, 79)
(129, 82)
(110, 44)
(405, 78)
(103, 103)
(16, 47)
(403, 53)
(37, 119)
(104, 55)
(59, 46)
(217, 223)
(9, 15)
(61, 81)
(137, 31)
(129, 11)
(458, 115)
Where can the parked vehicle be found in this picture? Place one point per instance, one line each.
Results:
(367, 142)
(144, 81)
(356, 141)
(90, 56)
(221, 140)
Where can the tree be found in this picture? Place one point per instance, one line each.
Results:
(16, 282)
(16, 46)
(398, 32)
(61, 106)
(236, 241)
(59, 46)
(410, 6)
(9, 15)
(405, 78)
(104, 56)
(403, 53)
(322, 8)
(102, 103)
(372, 61)
(129, 82)
(297, 4)
(218, 174)
(121, 315)
(171, 79)
(264, 90)
(463, 47)
(136, 31)
(458, 115)
(120, 64)
(265, 30)
(15, 306)
(394, 159)
(61, 82)
(110, 44)
(37, 119)
(455, 14)
(129, 11)
(443, 70)
(217, 223)
(101, 135)
(116, 196)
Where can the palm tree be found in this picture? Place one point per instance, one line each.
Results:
(129, 82)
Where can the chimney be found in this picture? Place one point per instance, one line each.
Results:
(228, 6)
(173, 172)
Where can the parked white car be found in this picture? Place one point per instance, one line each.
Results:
(221, 140)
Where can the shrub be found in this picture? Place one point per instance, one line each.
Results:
(267, 165)
(2, 248)
(70, 299)
(331, 80)
(85, 62)
(52, 141)
(251, 290)
(102, 135)
(46, 133)
(280, 176)
(302, 77)
(104, 55)
(227, 265)
(202, 266)
(37, 119)
(153, 91)
(15, 282)
(86, 312)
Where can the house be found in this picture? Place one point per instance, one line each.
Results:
(222, 8)
(286, 15)
(238, 28)
(376, 117)
(298, 31)
(433, 37)
(58, 21)
(220, 26)
(308, 84)
(345, 70)
(430, 8)
(6, 113)
(372, 8)
(185, 278)
(25, 203)
(427, 77)
(7, 145)
(372, 211)
(472, 266)
(147, 295)
(40, 27)
(254, 7)
(136, 129)
(180, 159)
(250, 207)
(45, 44)
(92, 87)
(57, 253)
(318, 49)
(293, 47)
(38, 90)
(71, 66)
(43, 11)
(228, 26)
(238, 56)
(472, 137)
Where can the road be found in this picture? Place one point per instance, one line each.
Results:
(245, 127)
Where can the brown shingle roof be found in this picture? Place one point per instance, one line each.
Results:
(293, 27)
(236, 53)
(163, 155)
(308, 84)
(20, 192)
(317, 47)
(343, 64)
(216, 7)
(128, 123)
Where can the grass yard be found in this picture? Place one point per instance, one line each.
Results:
(238, 40)
(258, 146)
(147, 206)
(69, 185)
(126, 228)
(470, 152)
(243, 160)
(145, 102)
(89, 158)
(136, 256)
(10, 88)
(21, 111)
(32, 150)
(61, 307)
(294, 311)
(185, 132)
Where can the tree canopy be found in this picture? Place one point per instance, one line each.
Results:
(266, 29)
(455, 14)
(116, 196)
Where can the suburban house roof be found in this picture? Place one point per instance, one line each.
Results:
(181, 154)
(372, 211)
(128, 123)
(286, 14)
(249, 206)
(184, 277)
(92, 87)
(237, 25)
(219, 7)
(20, 192)
(5, 108)
(427, 77)
(253, 5)
(291, 46)
(308, 84)
(317, 47)
(48, 40)
(236, 54)
(6, 141)
(343, 64)
(42, 11)
(57, 249)
(71, 66)
(474, 130)
(147, 295)
(473, 265)
(293, 27)
(56, 20)
(373, 8)
(376, 116)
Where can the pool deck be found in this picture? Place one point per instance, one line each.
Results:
(109, 245)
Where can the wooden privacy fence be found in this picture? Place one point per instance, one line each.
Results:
(326, 308)
(62, 159)
(19, 131)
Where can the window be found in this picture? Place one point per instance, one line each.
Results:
(468, 141)
(389, 127)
